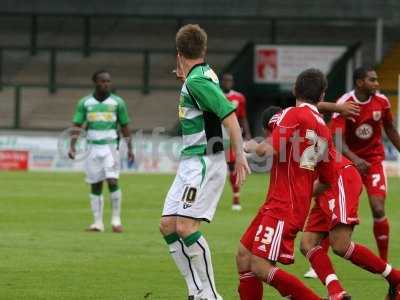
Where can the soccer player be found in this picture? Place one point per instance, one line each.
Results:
(360, 140)
(204, 113)
(239, 100)
(298, 141)
(102, 112)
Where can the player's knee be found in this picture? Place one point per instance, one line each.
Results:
(166, 226)
(112, 184)
(260, 267)
(243, 259)
(340, 247)
(378, 206)
(305, 246)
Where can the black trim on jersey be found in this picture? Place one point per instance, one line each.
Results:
(196, 65)
(190, 264)
(212, 128)
(208, 275)
(228, 114)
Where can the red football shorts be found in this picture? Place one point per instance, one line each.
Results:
(337, 205)
(270, 238)
(375, 180)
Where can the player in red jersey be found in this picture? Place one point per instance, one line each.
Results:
(336, 213)
(298, 141)
(239, 100)
(360, 139)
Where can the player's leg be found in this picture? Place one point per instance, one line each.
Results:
(116, 199)
(96, 204)
(287, 285)
(112, 170)
(311, 274)
(204, 179)
(180, 255)
(95, 176)
(342, 245)
(200, 254)
(250, 287)
(319, 260)
(376, 185)
(232, 179)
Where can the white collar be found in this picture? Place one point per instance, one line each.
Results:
(353, 94)
(309, 105)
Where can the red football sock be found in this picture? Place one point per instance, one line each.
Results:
(235, 187)
(381, 233)
(325, 244)
(289, 286)
(322, 265)
(250, 287)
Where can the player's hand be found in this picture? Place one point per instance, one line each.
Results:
(242, 169)
(250, 146)
(72, 153)
(349, 109)
(362, 165)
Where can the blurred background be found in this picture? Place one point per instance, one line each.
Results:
(49, 50)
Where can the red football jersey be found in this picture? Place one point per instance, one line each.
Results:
(299, 140)
(363, 134)
(239, 100)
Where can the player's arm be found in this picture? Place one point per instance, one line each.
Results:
(78, 121)
(241, 167)
(346, 109)
(390, 130)
(261, 149)
(123, 119)
(338, 129)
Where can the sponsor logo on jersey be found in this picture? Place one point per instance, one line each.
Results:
(376, 115)
(101, 116)
(210, 73)
(364, 131)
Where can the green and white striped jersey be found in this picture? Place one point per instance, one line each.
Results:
(102, 118)
(202, 108)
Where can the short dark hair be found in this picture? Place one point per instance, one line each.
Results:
(310, 85)
(191, 41)
(361, 73)
(97, 73)
(268, 113)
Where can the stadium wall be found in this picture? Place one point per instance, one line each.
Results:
(389, 9)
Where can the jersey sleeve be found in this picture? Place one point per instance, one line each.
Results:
(284, 129)
(209, 97)
(387, 115)
(80, 113)
(123, 117)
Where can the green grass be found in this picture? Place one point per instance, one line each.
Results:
(45, 253)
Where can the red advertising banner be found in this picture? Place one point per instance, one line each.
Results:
(14, 160)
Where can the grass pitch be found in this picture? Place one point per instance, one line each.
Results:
(46, 254)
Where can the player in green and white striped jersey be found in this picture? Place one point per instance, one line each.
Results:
(103, 112)
(204, 113)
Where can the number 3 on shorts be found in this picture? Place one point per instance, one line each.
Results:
(267, 237)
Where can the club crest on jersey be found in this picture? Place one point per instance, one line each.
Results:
(364, 131)
(376, 115)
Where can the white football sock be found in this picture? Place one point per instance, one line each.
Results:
(96, 203)
(201, 258)
(116, 198)
(180, 255)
